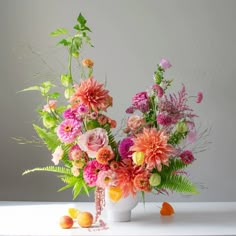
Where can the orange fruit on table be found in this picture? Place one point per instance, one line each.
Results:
(166, 209)
(66, 222)
(85, 219)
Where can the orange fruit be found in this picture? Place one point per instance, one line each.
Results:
(166, 209)
(115, 193)
(66, 222)
(85, 219)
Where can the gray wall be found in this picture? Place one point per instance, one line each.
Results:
(130, 37)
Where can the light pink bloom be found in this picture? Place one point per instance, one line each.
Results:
(75, 171)
(68, 130)
(57, 155)
(135, 122)
(105, 178)
(164, 64)
(199, 97)
(93, 140)
(82, 109)
(51, 106)
(192, 136)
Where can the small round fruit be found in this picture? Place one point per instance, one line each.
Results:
(85, 219)
(66, 222)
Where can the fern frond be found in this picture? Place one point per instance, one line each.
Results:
(180, 184)
(174, 165)
(49, 138)
(111, 137)
(57, 169)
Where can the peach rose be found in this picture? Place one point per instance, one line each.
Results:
(135, 122)
(93, 140)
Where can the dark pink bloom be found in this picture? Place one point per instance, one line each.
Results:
(71, 114)
(82, 109)
(130, 110)
(164, 64)
(164, 119)
(187, 157)
(68, 130)
(140, 101)
(91, 171)
(124, 147)
(199, 97)
(158, 89)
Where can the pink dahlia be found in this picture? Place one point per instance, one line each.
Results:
(68, 130)
(187, 157)
(91, 171)
(124, 147)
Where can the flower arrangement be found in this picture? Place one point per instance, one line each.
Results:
(152, 154)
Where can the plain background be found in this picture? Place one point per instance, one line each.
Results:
(130, 38)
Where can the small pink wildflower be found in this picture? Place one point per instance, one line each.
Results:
(51, 106)
(158, 89)
(187, 157)
(164, 64)
(199, 97)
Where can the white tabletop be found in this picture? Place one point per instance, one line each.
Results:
(41, 218)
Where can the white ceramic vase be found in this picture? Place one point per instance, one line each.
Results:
(120, 211)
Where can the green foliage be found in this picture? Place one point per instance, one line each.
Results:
(59, 31)
(49, 137)
(179, 183)
(57, 169)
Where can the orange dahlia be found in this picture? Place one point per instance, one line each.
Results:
(125, 175)
(92, 94)
(141, 182)
(154, 144)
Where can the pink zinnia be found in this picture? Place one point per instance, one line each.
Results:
(71, 113)
(68, 130)
(105, 178)
(124, 147)
(91, 171)
(199, 97)
(187, 157)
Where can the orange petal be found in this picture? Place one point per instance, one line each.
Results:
(166, 209)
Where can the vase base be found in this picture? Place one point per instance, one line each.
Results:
(119, 216)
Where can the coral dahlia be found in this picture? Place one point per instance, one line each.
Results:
(154, 144)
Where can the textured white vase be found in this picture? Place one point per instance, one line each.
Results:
(120, 211)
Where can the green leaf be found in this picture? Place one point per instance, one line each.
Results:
(77, 189)
(65, 42)
(54, 95)
(85, 188)
(59, 31)
(57, 169)
(66, 80)
(81, 19)
(49, 138)
(32, 88)
(68, 92)
(77, 42)
(179, 183)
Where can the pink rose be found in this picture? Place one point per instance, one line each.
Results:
(93, 140)
(135, 122)
(164, 64)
